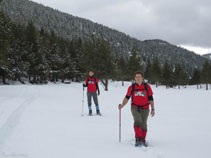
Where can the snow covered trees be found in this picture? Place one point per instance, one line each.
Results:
(5, 32)
(26, 52)
(134, 64)
(206, 74)
(97, 56)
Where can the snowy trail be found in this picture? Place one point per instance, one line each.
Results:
(15, 112)
(45, 122)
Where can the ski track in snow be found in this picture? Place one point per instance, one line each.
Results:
(13, 119)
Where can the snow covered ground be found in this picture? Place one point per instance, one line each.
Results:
(44, 121)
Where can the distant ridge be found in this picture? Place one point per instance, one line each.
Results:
(208, 56)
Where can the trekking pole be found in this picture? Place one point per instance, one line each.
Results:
(120, 124)
(83, 104)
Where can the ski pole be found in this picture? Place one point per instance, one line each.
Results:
(120, 124)
(83, 103)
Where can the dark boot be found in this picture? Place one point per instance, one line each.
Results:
(144, 137)
(139, 142)
(145, 143)
(98, 112)
(90, 112)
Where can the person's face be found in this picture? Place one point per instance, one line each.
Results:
(91, 73)
(138, 78)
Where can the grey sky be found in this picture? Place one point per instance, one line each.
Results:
(179, 22)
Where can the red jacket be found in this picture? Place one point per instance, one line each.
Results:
(91, 82)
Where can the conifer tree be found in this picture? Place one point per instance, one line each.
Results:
(134, 64)
(196, 78)
(34, 56)
(209, 72)
(17, 53)
(5, 36)
(147, 70)
(122, 70)
(104, 61)
(156, 72)
(180, 77)
(205, 74)
(97, 56)
(167, 74)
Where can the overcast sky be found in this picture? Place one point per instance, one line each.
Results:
(181, 22)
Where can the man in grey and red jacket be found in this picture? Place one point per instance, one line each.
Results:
(92, 88)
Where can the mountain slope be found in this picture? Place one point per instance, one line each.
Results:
(208, 56)
(71, 27)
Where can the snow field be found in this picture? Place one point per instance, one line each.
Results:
(44, 121)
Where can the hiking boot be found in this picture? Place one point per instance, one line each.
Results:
(145, 143)
(98, 112)
(139, 142)
(90, 112)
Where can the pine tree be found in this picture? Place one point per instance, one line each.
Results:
(205, 74)
(104, 61)
(34, 56)
(167, 74)
(122, 70)
(184, 78)
(196, 78)
(17, 53)
(134, 64)
(5, 36)
(88, 58)
(180, 77)
(147, 70)
(209, 72)
(76, 51)
(156, 72)
(97, 56)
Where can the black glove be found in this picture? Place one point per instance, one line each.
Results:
(98, 91)
(84, 85)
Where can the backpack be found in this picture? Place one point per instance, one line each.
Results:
(89, 80)
(133, 89)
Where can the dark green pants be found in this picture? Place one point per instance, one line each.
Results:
(140, 117)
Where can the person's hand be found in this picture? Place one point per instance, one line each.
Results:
(84, 85)
(119, 106)
(152, 112)
(98, 92)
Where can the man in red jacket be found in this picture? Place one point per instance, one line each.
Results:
(92, 86)
(141, 96)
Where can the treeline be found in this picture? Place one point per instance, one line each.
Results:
(40, 57)
(173, 76)
(163, 74)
